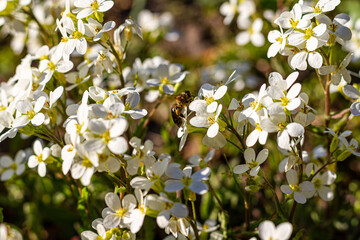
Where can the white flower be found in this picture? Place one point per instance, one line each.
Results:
(338, 72)
(107, 133)
(86, 166)
(55, 64)
(353, 93)
(229, 9)
(103, 62)
(321, 6)
(118, 213)
(277, 123)
(252, 34)
(196, 160)
(166, 76)
(138, 214)
(77, 40)
(153, 174)
(94, 29)
(258, 134)
(208, 96)
(268, 231)
(38, 160)
(312, 37)
(216, 142)
(300, 191)
(208, 120)
(285, 98)
(292, 19)
(338, 32)
(26, 113)
(128, 27)
(184, 179)
(78, 77)
(252, 164)
(88, 7)
(99, 227)
(278, 40)
(166, 208)
(321, 182)
(142, 155)
(11, 167)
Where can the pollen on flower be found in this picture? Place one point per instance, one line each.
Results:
(211, 120)
(317, 9)
(295, 188)
(308, 33)
(106, 137)
(2, 108)
(209, 100)
(253, 164)
(253, 104)
(293, 23)
(63, 39)
(279, 39)
(284, 101)
(257, 127)
(39, 158)
(87, 163)
(52, 66)
(77, 35)
(94, 6)
(165, 80)
(31, 114)
(281, 126)
(120, 212)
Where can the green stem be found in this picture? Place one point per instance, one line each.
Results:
(118, 63)
(215, 196)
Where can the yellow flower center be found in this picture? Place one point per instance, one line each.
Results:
(2, 108)
(295, 188)
(281, 126)
(284, 101)
(106, 136)
(39, 158)
(87, 163)
(293, 23)
(165, 80)
(253, 164)
(121, 212)
(209, 100)
(257, 127)
(308, 33)
(52, 66)
(43, 57)
(317, 9)
(77, 35)
(31, 114)
(94, 6)
(279, 39)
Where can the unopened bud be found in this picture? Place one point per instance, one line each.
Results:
(128, 33)
(334, 144)
(344, 155)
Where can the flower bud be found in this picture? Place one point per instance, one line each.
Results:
(334, 144)
(344, 155)
(128, 33)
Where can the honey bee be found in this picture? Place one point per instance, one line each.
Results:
(178, 110)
